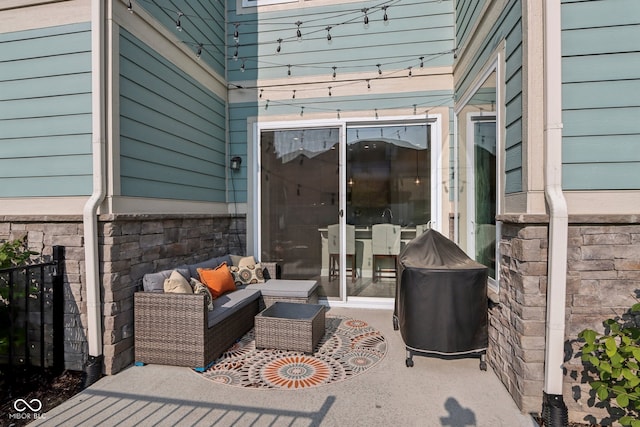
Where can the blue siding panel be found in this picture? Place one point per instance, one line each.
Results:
(45, 113)
(600, 76)
(172, 129)
(508, 27)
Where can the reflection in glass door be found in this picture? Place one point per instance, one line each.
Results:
(299, 180)
(483, 223)
(388, 199)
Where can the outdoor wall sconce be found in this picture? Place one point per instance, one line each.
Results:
(235, 163)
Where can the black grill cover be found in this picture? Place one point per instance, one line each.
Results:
(441, 297)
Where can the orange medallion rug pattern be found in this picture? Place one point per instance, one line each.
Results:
(348, 348)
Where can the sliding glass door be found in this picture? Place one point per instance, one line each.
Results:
(300, 199)
(323, 192)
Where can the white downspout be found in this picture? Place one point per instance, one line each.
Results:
(89, 218)
(558, 215)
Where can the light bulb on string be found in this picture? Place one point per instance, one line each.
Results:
(415, 106)
(422, 62)
(301, 111)
(261, 90)
(242, 66)
(368, 84)
(199, 52)
(329, 90)
(379, 69)
(328, 33)
(289, 70)
(266, 105)
(366, 17)
(385, 18)
(334, 72)
(298, 32)
(130, 7)
(410, 74)
(338, 113)
(294, 94)
(178, 23)
(279, 45)
(235, 53)
(376, 111)
(236, 33)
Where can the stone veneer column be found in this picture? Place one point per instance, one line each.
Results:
(603, 276)
(517, 323)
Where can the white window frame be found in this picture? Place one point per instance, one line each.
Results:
(495, 64)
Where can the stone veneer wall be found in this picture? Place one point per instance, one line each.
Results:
(130, 246)
(603, 273)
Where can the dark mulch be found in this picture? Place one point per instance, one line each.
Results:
(49, 388)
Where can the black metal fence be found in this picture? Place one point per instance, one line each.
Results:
(31, 316)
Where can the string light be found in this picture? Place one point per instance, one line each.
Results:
(236, 33)
(266, 105)
(334, 71)
(410, 71)
(376, 111)
(235, 53)
(178, 24)
(130, 7)
(338, 113)
(385, 18)
(366, 17)
(294, 94)
(199, 52)
(328, 33)
(415, 106)
(422, 62)
(379, 69)
(289, 70)
(301, 111)
(279, 45)
(298, 32)
(368, 84)
(242, 66)
(261, 90)
(329, 90)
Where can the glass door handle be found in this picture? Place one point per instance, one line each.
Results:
(341, 213)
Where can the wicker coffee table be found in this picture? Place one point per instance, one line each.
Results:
(290, 326)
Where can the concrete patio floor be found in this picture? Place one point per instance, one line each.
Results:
(434, 392)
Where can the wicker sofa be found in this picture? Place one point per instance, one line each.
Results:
(178, 329)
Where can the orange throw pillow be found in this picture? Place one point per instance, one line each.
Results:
(219, 280)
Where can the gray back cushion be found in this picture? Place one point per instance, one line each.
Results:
(154, 282)
(210, 263)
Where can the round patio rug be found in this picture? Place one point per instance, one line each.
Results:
(348, 348)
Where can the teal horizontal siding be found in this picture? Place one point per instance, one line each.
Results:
(507, 27)
(467, 14)
(600, 63)
(172, 128)
(414, 29)
(203, 22)
(600, 149)
(45, 112)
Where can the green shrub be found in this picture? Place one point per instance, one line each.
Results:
(14, 253)
(612, 360)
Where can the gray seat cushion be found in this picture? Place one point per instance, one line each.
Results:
(286, 288)
(229, 303)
